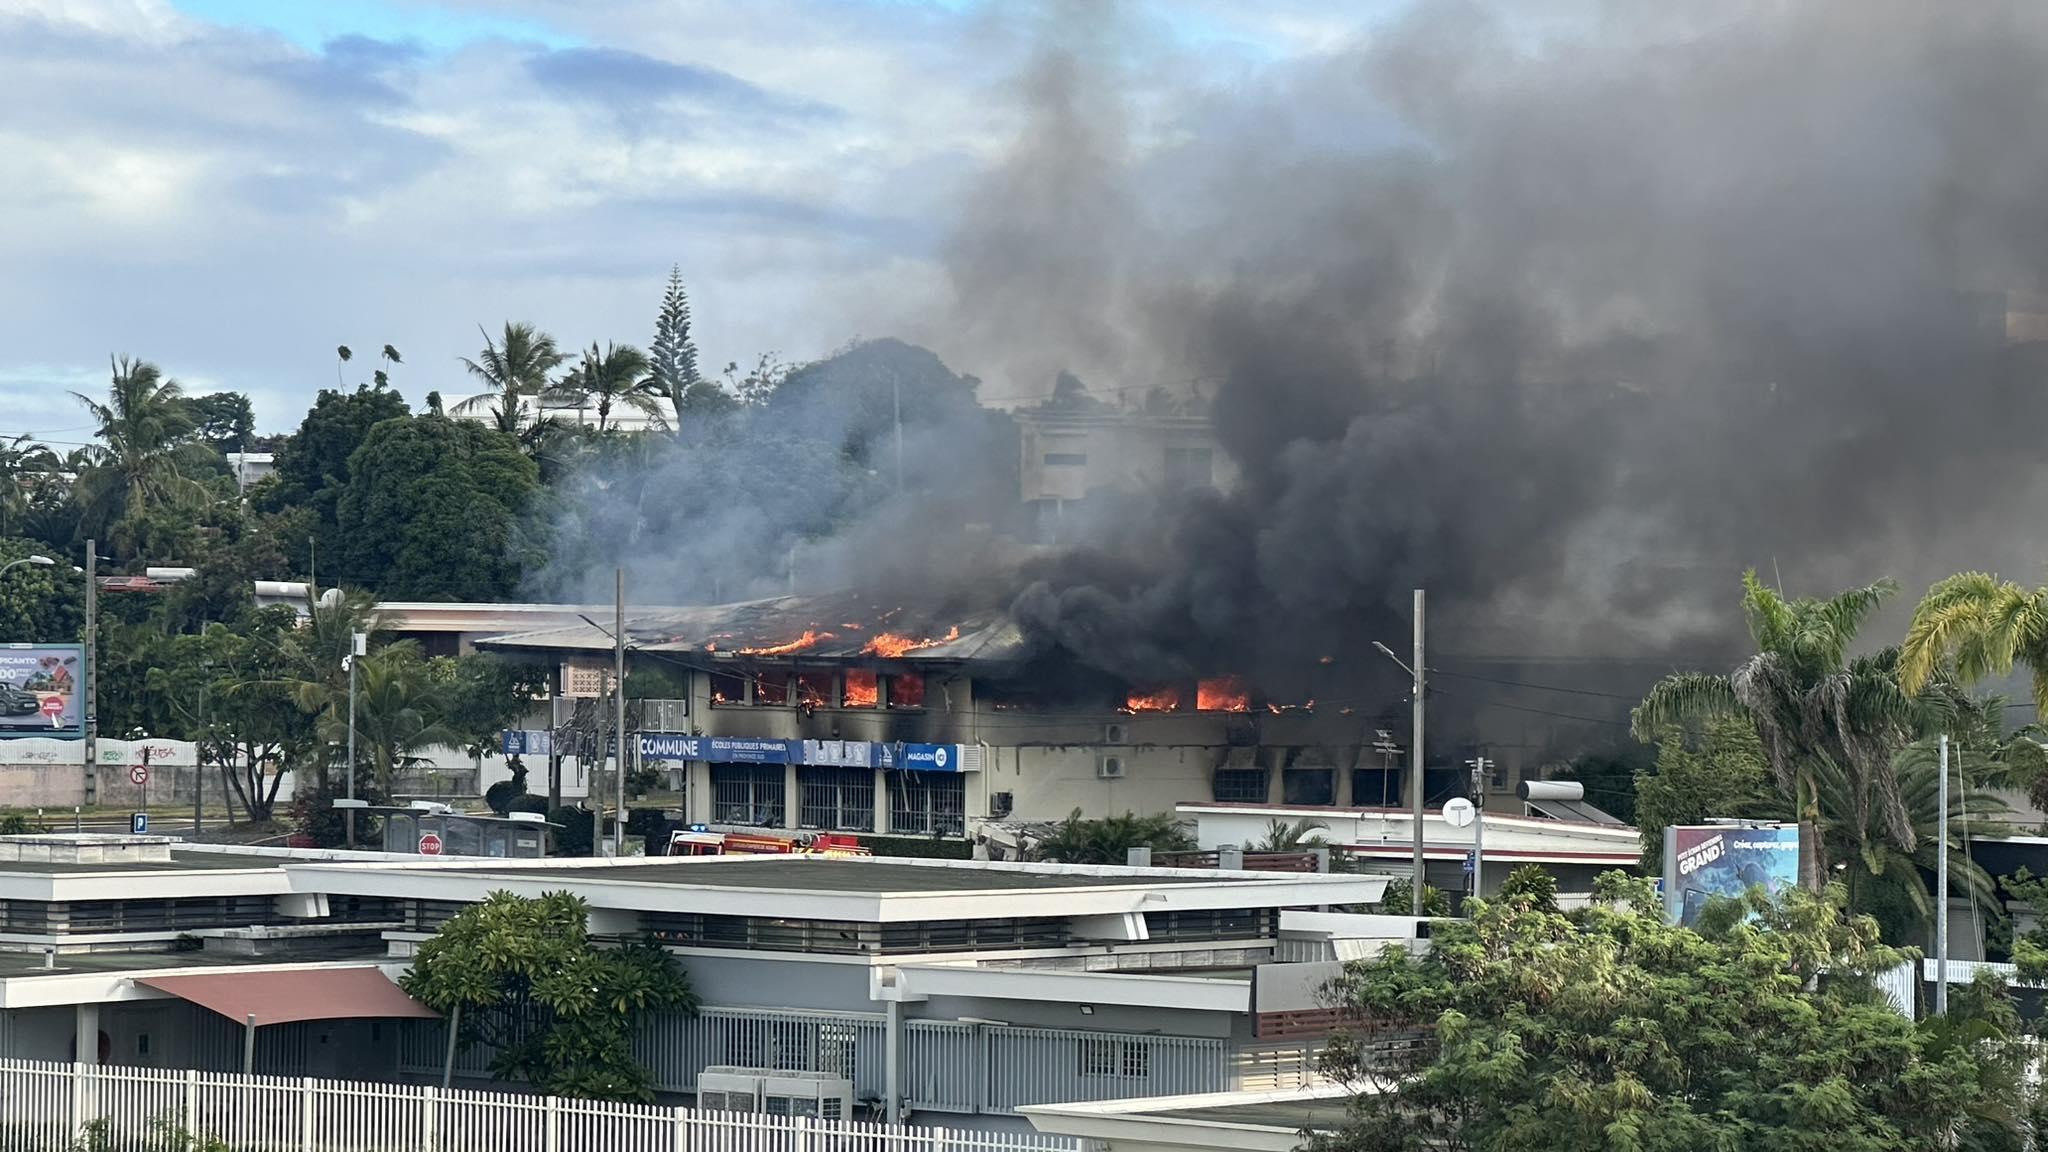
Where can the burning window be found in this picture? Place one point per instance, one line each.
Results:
(814, 689)
(906, 690)
(728, 688)
(1222, 694)
(771, 689)
(1153, 700)
(863, 688)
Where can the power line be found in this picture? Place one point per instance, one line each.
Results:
(1536, 687)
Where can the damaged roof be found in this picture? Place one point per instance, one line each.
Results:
(840, 626)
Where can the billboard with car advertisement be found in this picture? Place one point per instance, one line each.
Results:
(40, 691)
(1705, 861)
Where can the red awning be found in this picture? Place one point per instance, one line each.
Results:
(280, 997)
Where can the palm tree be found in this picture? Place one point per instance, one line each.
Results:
(1818, 713)
(398, 712)
(314, 660)
(1303, 834)
(1976, 625)
(144, 429)
(617, 375)
(23, 465)
(515, 366)
(1109, 840)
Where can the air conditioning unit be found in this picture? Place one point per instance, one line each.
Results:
(1109, 768)
(1000, 804)
(1116, 734)
(775, 1092)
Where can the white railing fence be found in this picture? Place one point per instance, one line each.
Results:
(46, 1107)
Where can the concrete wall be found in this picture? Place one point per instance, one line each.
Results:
(37, 1033)
(764, 981)
(1104, 1018)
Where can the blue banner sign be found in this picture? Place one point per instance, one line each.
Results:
(928, 757)
(529, 742)
(717, 749)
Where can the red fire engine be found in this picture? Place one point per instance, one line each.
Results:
(704, 842)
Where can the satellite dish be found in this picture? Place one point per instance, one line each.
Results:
(1458, 812)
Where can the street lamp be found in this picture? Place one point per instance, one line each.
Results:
(1415, 761)
(39, 561)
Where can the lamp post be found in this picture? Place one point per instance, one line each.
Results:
(1415, 760)
(39, 561)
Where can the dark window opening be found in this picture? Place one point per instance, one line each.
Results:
(814, 689)
(1313, 786)
(1241, 785)
(1378, 787)
(934, 803)
(750, 794)
(771, 689)
(728, 688)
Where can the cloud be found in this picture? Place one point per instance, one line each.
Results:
(632, 82)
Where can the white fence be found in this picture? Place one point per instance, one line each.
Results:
(45, 1107)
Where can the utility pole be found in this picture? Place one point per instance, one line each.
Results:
(554, 748)
(619, 703)
(92, 672)
(358, 644)
(1415, 759)
(199, 754)
(1479, 770)
(1941, 891)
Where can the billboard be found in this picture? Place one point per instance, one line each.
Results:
(1705, 861)
(39, 691)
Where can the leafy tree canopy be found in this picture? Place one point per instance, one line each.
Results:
(1108, 841)
(1607, 1029)
(552, 1007)
(434, 509)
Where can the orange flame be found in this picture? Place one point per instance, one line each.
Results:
(1162, 700)
(1222, 694)
(863, 689)
(893, 644)
(808, 639)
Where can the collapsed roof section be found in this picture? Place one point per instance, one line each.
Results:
(842, 626)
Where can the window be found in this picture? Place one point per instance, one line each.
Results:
(1118, 1059)
(1189, 468)
(1313, 786)
(837, 799)
(747, 794)
(863, 689)
(1241, 785)
(1377, 788)
(728, 688)
(1066, 459)
(929, 802)
(906, 690)
(771, 689)
(814, 689)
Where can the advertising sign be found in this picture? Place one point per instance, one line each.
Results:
(928, 757)
(1705, 861)
(39, 691)
(529, 742)
(838, 753)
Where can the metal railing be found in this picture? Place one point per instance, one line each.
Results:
(48, 1106)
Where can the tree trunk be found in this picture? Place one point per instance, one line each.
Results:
(1812, 865)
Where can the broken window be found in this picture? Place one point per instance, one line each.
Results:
(814, 689)
(837, 799)
(771, 689)
(747, 794)
(863, 688)
(934, 803)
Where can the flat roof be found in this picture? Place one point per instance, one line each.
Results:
(180, 861)
(828, 874)
(1291, 1115)
(18, 965)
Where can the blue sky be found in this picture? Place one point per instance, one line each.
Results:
(233, 187)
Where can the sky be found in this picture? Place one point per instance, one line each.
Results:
(231, 188)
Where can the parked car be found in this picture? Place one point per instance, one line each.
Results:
(15, 702)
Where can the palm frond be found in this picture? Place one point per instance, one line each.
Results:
(1682, 700)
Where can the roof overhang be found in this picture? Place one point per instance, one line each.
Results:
(1195, 994)
(285, 996)
(1134, 889)
(1138, 1125)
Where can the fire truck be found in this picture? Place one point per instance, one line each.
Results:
(699, 840)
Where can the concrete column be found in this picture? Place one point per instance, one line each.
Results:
(792, 797)
(881, 801)
(87, 1029)
(699, 799)
(1276, 784)
(1343, 790)
(892, 1064)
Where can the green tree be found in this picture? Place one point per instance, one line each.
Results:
(39, 604)
(672, 359)
(514, 366)
(616, 376)
(552, 1007)
(1108, 841)
(436, 509)
(24, 465)
(1718, 771)
(143, 460)
(1607, 1029)
(224, 420)
(398, 713)
(1816, 710)
(1282, 836)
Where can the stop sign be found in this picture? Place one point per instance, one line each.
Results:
(430, 844)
